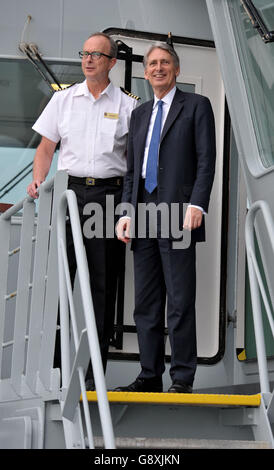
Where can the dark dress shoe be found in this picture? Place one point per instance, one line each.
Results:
(143, 385)
(180, 387)
(90, 386)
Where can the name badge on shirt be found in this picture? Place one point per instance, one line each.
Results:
(111, 115)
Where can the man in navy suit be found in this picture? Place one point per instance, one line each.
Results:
(182, 174)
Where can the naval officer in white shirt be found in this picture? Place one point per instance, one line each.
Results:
(91, 122)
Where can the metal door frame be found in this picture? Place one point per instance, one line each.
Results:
(126, 53)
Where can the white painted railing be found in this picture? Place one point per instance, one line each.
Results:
(258, 290)
(86, 344)
(32, 305)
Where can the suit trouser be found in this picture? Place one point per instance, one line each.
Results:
(104, 258)
(163, 272)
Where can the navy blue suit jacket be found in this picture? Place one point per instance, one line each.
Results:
(186, 156)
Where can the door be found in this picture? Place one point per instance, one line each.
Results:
(199, 74)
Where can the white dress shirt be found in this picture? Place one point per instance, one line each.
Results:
(167, 100)
(93, 132)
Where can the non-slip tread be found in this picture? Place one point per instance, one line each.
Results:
(180, 398)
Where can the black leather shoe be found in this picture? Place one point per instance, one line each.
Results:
(90, 386)
(180, 387)
(143, 385)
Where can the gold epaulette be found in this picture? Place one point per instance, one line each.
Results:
(64, 86)
(130, 94)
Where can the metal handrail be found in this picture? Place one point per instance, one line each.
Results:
(257, 287)
(47, 185)
(68, 201)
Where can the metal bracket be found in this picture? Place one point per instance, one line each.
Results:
(239, 416)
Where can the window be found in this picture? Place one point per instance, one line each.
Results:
(266, 10)
(257, 61)
(23, 96)
(261, 13)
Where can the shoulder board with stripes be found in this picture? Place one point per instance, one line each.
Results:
(63, 86)
(130, 94)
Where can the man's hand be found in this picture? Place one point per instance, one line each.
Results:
(123, 229)
(193, 218)
(41, 165)
(32, 188)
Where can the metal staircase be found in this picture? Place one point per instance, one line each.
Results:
(186, 421)
(170, 421)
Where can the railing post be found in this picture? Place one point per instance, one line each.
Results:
(23, 294)
(64, 314)
(254, 287)
(51, 293)
(4, 256)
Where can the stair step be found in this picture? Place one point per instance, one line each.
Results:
(156, 443)
(180, 398)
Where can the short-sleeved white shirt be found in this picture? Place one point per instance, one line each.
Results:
(93, 132)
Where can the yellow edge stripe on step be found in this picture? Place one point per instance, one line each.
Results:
(180, 398)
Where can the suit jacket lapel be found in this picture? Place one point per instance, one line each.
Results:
(141, 131)
(176, 106)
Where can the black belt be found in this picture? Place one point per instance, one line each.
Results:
(89, 181)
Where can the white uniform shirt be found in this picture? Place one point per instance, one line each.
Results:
(93, 132)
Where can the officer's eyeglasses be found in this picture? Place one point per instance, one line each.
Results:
(94, 55)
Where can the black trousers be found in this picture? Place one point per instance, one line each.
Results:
(104, 257)
(162, 272)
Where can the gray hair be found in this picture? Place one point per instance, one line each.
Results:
(165, 47)
(113, 46)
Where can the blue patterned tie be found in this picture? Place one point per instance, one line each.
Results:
(152, 160)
